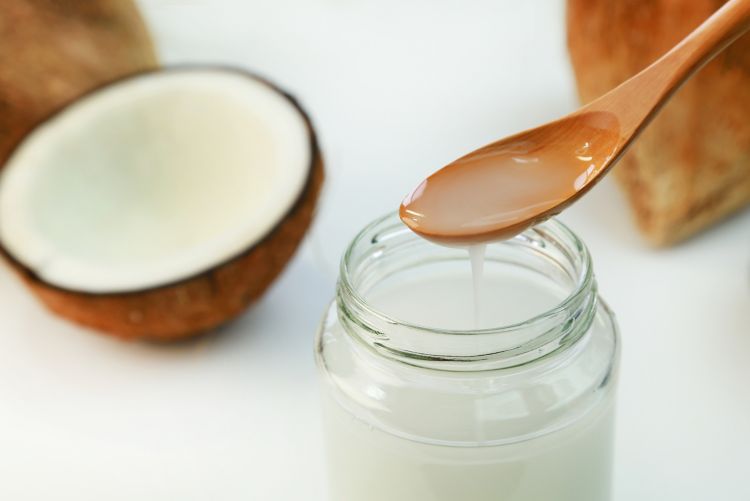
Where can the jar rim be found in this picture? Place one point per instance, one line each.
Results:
(583, 285)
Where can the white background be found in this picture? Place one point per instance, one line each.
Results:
(396, 89)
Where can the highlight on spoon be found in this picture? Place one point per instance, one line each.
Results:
(503, 188)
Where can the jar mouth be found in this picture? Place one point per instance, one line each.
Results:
(582, 286)
(541, 333)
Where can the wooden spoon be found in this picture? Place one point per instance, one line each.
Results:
(507, 186)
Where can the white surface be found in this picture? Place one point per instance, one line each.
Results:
(396, 89)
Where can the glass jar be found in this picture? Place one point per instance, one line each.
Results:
(421, 405)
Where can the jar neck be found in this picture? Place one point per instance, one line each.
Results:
(387, 247)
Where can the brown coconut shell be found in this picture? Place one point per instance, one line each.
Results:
(200, 303)
(691, 166)
(53, 51)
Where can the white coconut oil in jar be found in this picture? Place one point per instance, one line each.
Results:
(421, 402)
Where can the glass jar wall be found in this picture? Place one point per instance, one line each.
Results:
(430, 395)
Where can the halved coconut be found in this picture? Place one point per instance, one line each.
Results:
(162, 205)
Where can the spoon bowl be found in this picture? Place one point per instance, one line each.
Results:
(524, 179)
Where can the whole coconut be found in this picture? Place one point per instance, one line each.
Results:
(691, 166)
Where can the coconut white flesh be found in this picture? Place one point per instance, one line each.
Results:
(153, 180)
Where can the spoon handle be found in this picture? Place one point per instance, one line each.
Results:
(653, 86)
